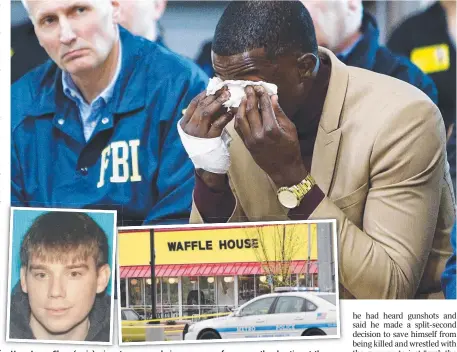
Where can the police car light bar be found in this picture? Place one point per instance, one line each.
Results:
(296, 289)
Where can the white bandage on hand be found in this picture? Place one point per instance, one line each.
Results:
(210, 154)
(236, 89)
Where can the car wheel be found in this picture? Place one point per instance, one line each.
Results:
(209, 335)
(313, 332)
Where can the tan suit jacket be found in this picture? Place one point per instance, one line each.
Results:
(380, 159)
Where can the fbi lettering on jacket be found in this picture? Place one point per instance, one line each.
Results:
(122, 158)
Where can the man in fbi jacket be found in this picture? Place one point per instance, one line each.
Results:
(96, 126)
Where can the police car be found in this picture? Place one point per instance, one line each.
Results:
(272, 315)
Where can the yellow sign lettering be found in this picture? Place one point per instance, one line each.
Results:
(218, 245)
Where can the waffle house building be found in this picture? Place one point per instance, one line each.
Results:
(205, 270)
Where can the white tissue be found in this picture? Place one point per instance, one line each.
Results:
(210, 154)
(236, 89)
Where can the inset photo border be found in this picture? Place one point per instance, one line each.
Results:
(61, 276)
(236, 282)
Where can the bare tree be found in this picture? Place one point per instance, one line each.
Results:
(275, 252)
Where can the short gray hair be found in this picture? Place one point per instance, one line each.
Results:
(26, 6)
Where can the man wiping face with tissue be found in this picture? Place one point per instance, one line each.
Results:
(211, 154)
(241, 81)
(335, 142)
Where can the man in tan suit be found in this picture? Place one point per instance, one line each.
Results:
(345, 143)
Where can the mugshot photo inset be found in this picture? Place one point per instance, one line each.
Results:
(61, 275)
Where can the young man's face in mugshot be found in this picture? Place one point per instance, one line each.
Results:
(78, 35)
(62, 290)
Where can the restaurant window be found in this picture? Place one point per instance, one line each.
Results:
(159, 305)
(170, 297)
(308, 280)
(294, 280)
(246, 288)
(285, 280)
(146, 310)
(262, 286)
(207, 285)
(135, 292)
(315, 280)
(158, 297)
(191, 295)
(147, 291)
(123, 293)
(225, 293)
(170, 291)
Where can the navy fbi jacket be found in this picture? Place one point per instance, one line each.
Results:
(370, 55)
(133, 163)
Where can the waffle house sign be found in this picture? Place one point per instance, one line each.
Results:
(217, 244)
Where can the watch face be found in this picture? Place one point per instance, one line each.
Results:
(288, 199)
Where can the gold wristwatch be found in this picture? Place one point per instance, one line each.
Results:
(291, 197)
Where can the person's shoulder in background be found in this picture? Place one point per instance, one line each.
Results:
(370, 54)
(416, 29)
(402, 68)
(425, 40)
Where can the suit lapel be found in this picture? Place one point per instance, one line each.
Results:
(329, 135)
(324, 158)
